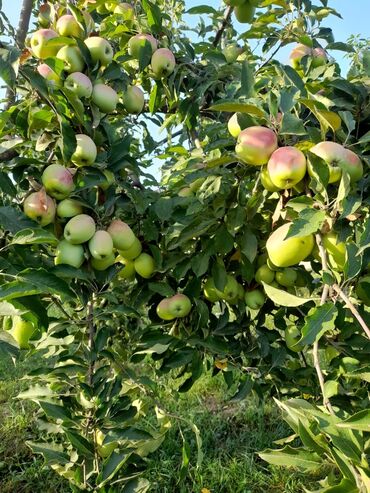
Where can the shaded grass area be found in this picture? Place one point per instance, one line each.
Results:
(232, 434)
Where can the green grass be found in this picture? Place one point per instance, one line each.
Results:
(232, 434)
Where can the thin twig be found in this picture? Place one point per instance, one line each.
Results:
(60, 306)
(353, 309)
(91, 331)
(223, 25)
(269, 59)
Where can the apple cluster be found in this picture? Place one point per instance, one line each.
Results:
(177, 306)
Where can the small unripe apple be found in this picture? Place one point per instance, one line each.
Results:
(101, 245)
(254, 299)
(133, 251)
(210, 292)
(105, 98)
(58, 181)
(71, 58)
(286, 167)
(245, 13)
(40, 207)
(79, 229)
(109, 179)
(133, 100)
(286, 277)
(255, 145)
(128, 271)
(237, 122)
(336, 250)
(69, 254)
(69, 208)
(122, 235)
(85, 153)
(264, 274)
(177, 306)
(79, 84)
(231, 52)
(266, 181)
(292, 336)
(67, 25)
(100, 50)
(230, 292)
(49, 75)
(103, 264)
(287, 252)
(145, 265)
(22, 330)
(141, 42)
(163, 63)
(39, 44)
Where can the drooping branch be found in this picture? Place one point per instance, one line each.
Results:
(223, 25)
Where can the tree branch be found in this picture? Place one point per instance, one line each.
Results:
(224, 23)
(353, 309)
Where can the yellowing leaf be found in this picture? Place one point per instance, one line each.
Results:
(221, 364)
(205, 490)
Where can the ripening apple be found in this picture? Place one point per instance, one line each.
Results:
(255, 145)
(210, 292)
(40, 207)
(336, 250)
(85, 153)
(145, 265)
(58, 181)
(105, 98)
(163, 310)
(245, 13)
(292, 336)
(287, 252)
(71, 58)
(254, 299)
(122, 235)
(338, 158)
(104, 449)
(103, 264)
(286, 277)
(79, 229)
(79, 84)
(266, 180)
(133, 251)
(49, 75)
(363, 290)
(68, 208)
(67, 25)
(22, 330)
(44, 17)
(126, 10)
(101, 245)
(237, 122)
(163, 63)
(100, 50)
(231, 52)
(286, 167)
(133, 100)
(69, 254)
(319, 56)
(177, 306)
(231, 289)
(264, 274)
(128, 271)
(39, 44)
(141, 42)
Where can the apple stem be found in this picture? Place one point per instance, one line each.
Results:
(353, 309)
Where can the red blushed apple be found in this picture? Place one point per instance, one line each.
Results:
(49, 75)
(139, 42)
(133, 100)
(80, 84)
(39, 44)
(255, 145)
(67, 25)
(286, 167)
(58, 181)
(319, 56)
(100, 50)
(105, 98)
(338, 158)
(163, 63)
(40, 207)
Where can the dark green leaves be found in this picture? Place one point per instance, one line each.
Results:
(318, 321)
(308, 222)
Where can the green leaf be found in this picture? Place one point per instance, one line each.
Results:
(244, 389)
(153, 15)
(137, 485)
(234, 107)
(164, 207)
(8, 345)
(319, 320)
(219, 275)
(6, 185)
(83, 446)
(359, 421)
(249, 245)
(201, 9)
(112, 466)
(341, 47)
(283, 298)
(308, 222)
(52, 453)
(291, 124)
(55, 411)
(247, 80)
(292, 457)
(34, 236)
(353, 264)
(13, 220)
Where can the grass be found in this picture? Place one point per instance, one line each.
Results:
(231, 433)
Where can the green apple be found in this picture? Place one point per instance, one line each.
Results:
(254, 299)
(69, 208)
(100, 50)
(79, 229)
(52, 79)
(262, 259)
(163, 310)
(266, 181)
(286, 167)
(122, 235)
(287, 252)
(233, 125)
(245, 13)
(292, 336)
(71, 58)
(241, 292)
(338, 158)
(22, 330)
(363, 290)
(231, 289)
(58, 181)
(105, 98)
(109, 179)
(286, 277)
(210, 292)
(39, 44)
(231, 52)
(128, 270)
(101, 245)
(145, 265)
(67, 25)
(40, 207)
(104, 449)
(103, 264)
(69, 254)
(133, 100)
(179, 305)
(163, 63)
(141, 43)
(86, 151)
(133, 251)
(264, 274)
(255, 145)
(79, 84)
(336, 250)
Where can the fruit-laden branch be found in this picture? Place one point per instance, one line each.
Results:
(353, 309)
(316, 359)
(224, 23)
